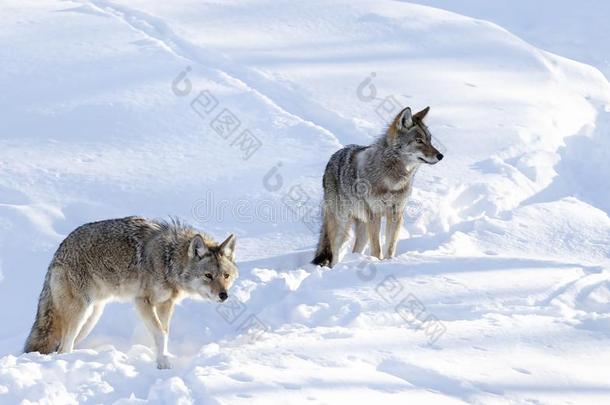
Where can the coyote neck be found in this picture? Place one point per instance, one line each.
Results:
(385, 170)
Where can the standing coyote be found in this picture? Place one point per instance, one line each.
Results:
(364, 183)
(153, 262)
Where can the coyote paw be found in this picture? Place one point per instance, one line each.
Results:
(163, 362)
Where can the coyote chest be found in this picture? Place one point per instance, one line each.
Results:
(382, 190)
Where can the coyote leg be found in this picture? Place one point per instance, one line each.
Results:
(361, 236)
(341, 233)
(374, 228)
(98, 309)
(152, 322)
(164, 312)
(73, 317)
(392, 231)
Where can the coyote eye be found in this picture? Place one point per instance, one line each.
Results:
(226, 276)
(209, 275)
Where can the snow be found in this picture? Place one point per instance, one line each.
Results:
(500, 292)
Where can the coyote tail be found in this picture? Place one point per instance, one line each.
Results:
(45, 335)
(324, 254)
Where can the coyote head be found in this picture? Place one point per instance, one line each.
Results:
(410, 139)
(211, 269)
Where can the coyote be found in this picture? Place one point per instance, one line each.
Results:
(153, 262)
(364, 183)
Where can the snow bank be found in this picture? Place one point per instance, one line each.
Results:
(499, 292)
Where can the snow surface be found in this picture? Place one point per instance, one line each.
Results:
(500, 292)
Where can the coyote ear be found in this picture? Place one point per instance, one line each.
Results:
(422, 114)
(404, 119)
(197, 247)
(227, 248)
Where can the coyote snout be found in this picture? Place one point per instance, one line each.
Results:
(363, 184)
(155, 263)
(430, 155)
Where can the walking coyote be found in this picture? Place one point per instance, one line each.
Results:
(153, 262)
